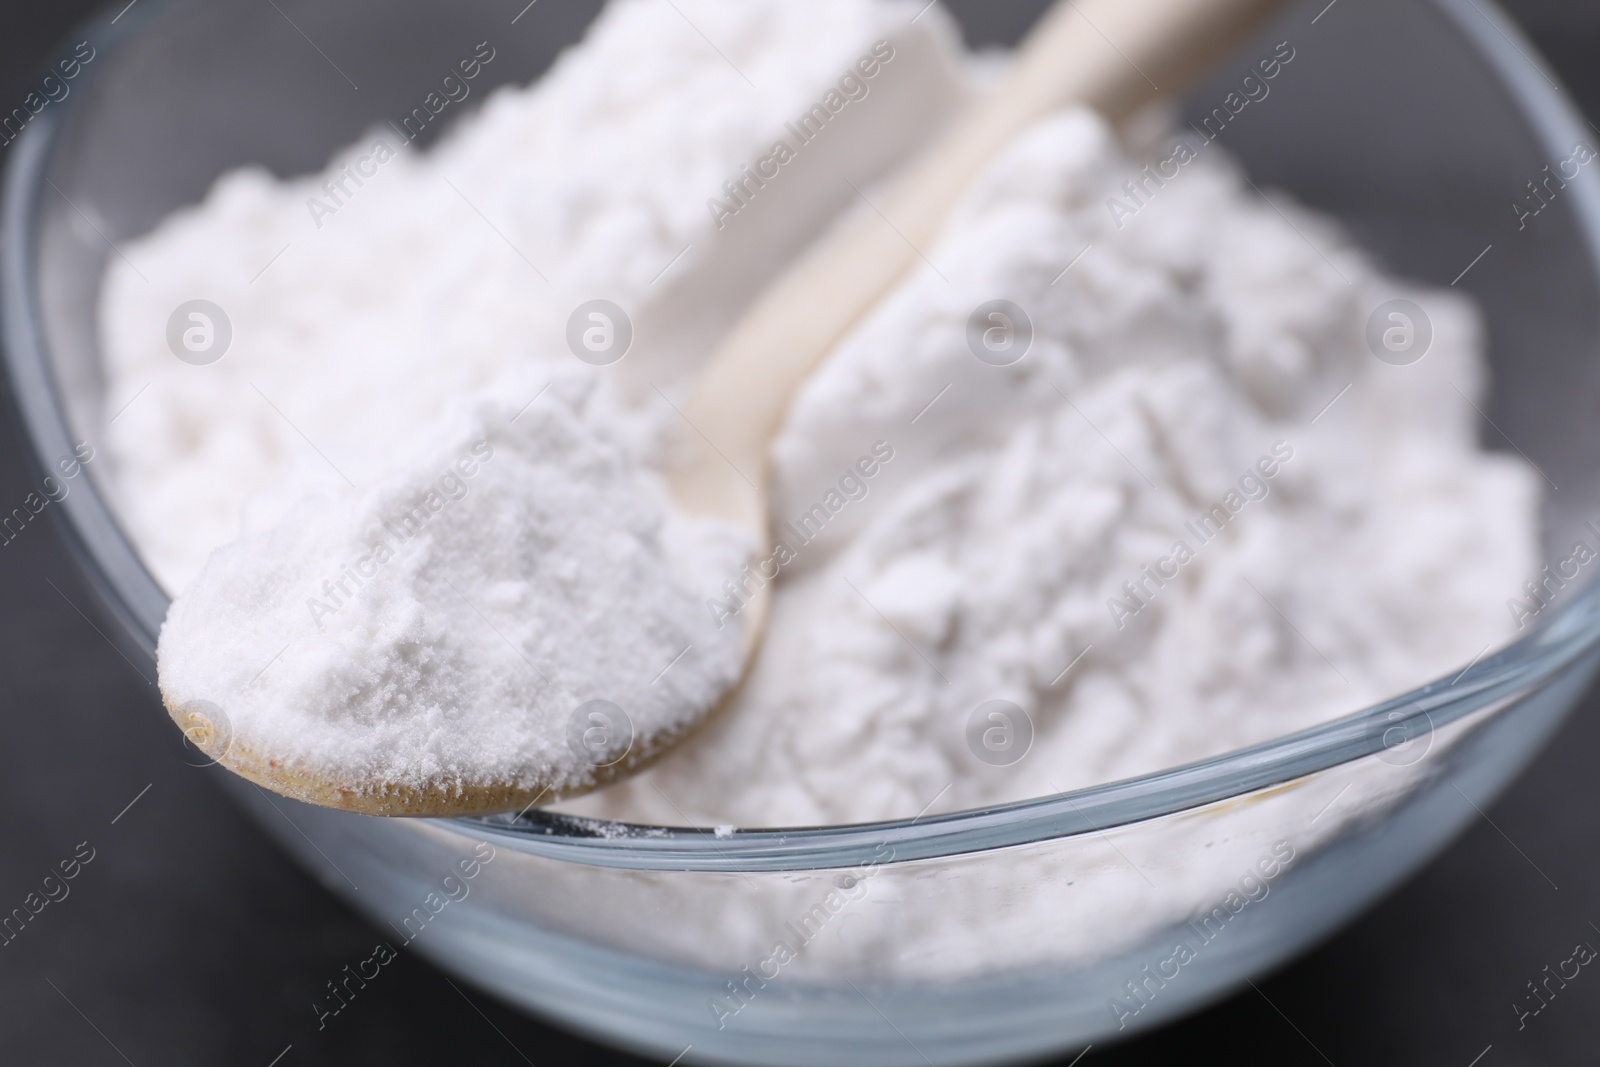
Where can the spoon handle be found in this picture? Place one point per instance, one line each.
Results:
(1112, 55)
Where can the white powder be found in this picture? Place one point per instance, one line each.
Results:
(449, 626)
(1204, 353)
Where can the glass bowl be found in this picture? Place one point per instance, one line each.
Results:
(974, 937)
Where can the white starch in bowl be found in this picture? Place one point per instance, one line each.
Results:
(1114, 480)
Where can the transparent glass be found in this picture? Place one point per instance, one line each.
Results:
(972, 937)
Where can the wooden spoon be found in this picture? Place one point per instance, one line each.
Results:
(1112, 55)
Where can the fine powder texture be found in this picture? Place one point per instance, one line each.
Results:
(1197, 376)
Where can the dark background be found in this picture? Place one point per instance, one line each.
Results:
(190, 939)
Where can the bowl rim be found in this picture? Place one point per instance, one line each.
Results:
(130, 593)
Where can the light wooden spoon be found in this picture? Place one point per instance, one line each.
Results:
(1112, 55)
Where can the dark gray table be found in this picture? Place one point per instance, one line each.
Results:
(189, 939)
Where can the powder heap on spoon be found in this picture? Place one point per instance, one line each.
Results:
(512, 616)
